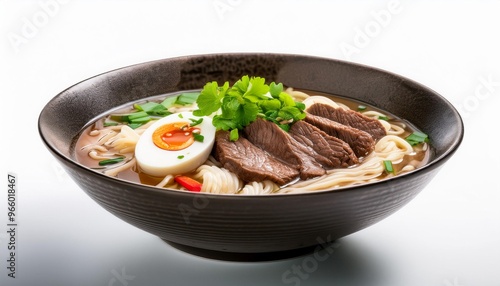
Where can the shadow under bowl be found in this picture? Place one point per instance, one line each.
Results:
(250, 224)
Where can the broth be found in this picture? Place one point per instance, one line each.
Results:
(418, 157)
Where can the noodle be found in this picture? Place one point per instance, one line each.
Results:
(389, 147)
(113, 172)
(168, 179)
(217, 180)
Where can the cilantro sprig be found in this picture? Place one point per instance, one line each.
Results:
(246, 100)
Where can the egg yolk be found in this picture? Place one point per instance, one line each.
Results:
(174, 136)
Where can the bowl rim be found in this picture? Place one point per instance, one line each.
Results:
(434, 162)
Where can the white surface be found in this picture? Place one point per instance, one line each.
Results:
(448, 236)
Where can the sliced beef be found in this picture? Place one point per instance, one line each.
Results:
(349, 118)
(271, 138)
(337, 152)
(249, 162)
(361, 142)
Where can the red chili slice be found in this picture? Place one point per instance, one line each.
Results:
(189, 183)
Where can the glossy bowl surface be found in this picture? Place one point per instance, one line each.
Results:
(253, 225)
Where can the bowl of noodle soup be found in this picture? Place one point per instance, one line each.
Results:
(263, 215)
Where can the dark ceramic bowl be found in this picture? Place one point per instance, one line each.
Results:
(252, 225)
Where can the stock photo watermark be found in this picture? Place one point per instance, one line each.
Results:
(451, 282)
(310, 264)
(187, 210)
(364, 35)
(120, 278)
(486, 87)
(59, 172)
(222, 7)
(29, 27)
(12, 225)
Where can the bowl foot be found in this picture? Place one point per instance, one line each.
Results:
(242, 257)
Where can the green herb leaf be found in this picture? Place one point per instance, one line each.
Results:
(210, 98)
(286, 99)
(180, 157)
(248, 98)
(275, 89)
(224, 123)
(257, 88)
(285, 127)
(247, 113)
(270, 105)
(241, 86)
(300, 106)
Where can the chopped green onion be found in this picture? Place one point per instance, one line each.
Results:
(111, 161)
(140, 120)
(169, 101)
(417, 138)
(198, 137)
(180, 115)
(118, 117)
(383, 118)
(233, 135)
(361, 107)
(196, 121)
(135, 125)
(109, 123)
(161, 113)
(388, 166)
(180, 157)
(153, 108)
(136, 115)
(187, 98)
(148, 106)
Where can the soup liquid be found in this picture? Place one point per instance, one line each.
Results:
(421, 155)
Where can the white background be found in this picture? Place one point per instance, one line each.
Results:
(448, 236)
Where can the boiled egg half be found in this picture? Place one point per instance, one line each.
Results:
(175, 144)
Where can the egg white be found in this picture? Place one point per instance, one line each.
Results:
(158, 162)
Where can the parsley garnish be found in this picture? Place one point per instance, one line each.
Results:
(250, 97)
